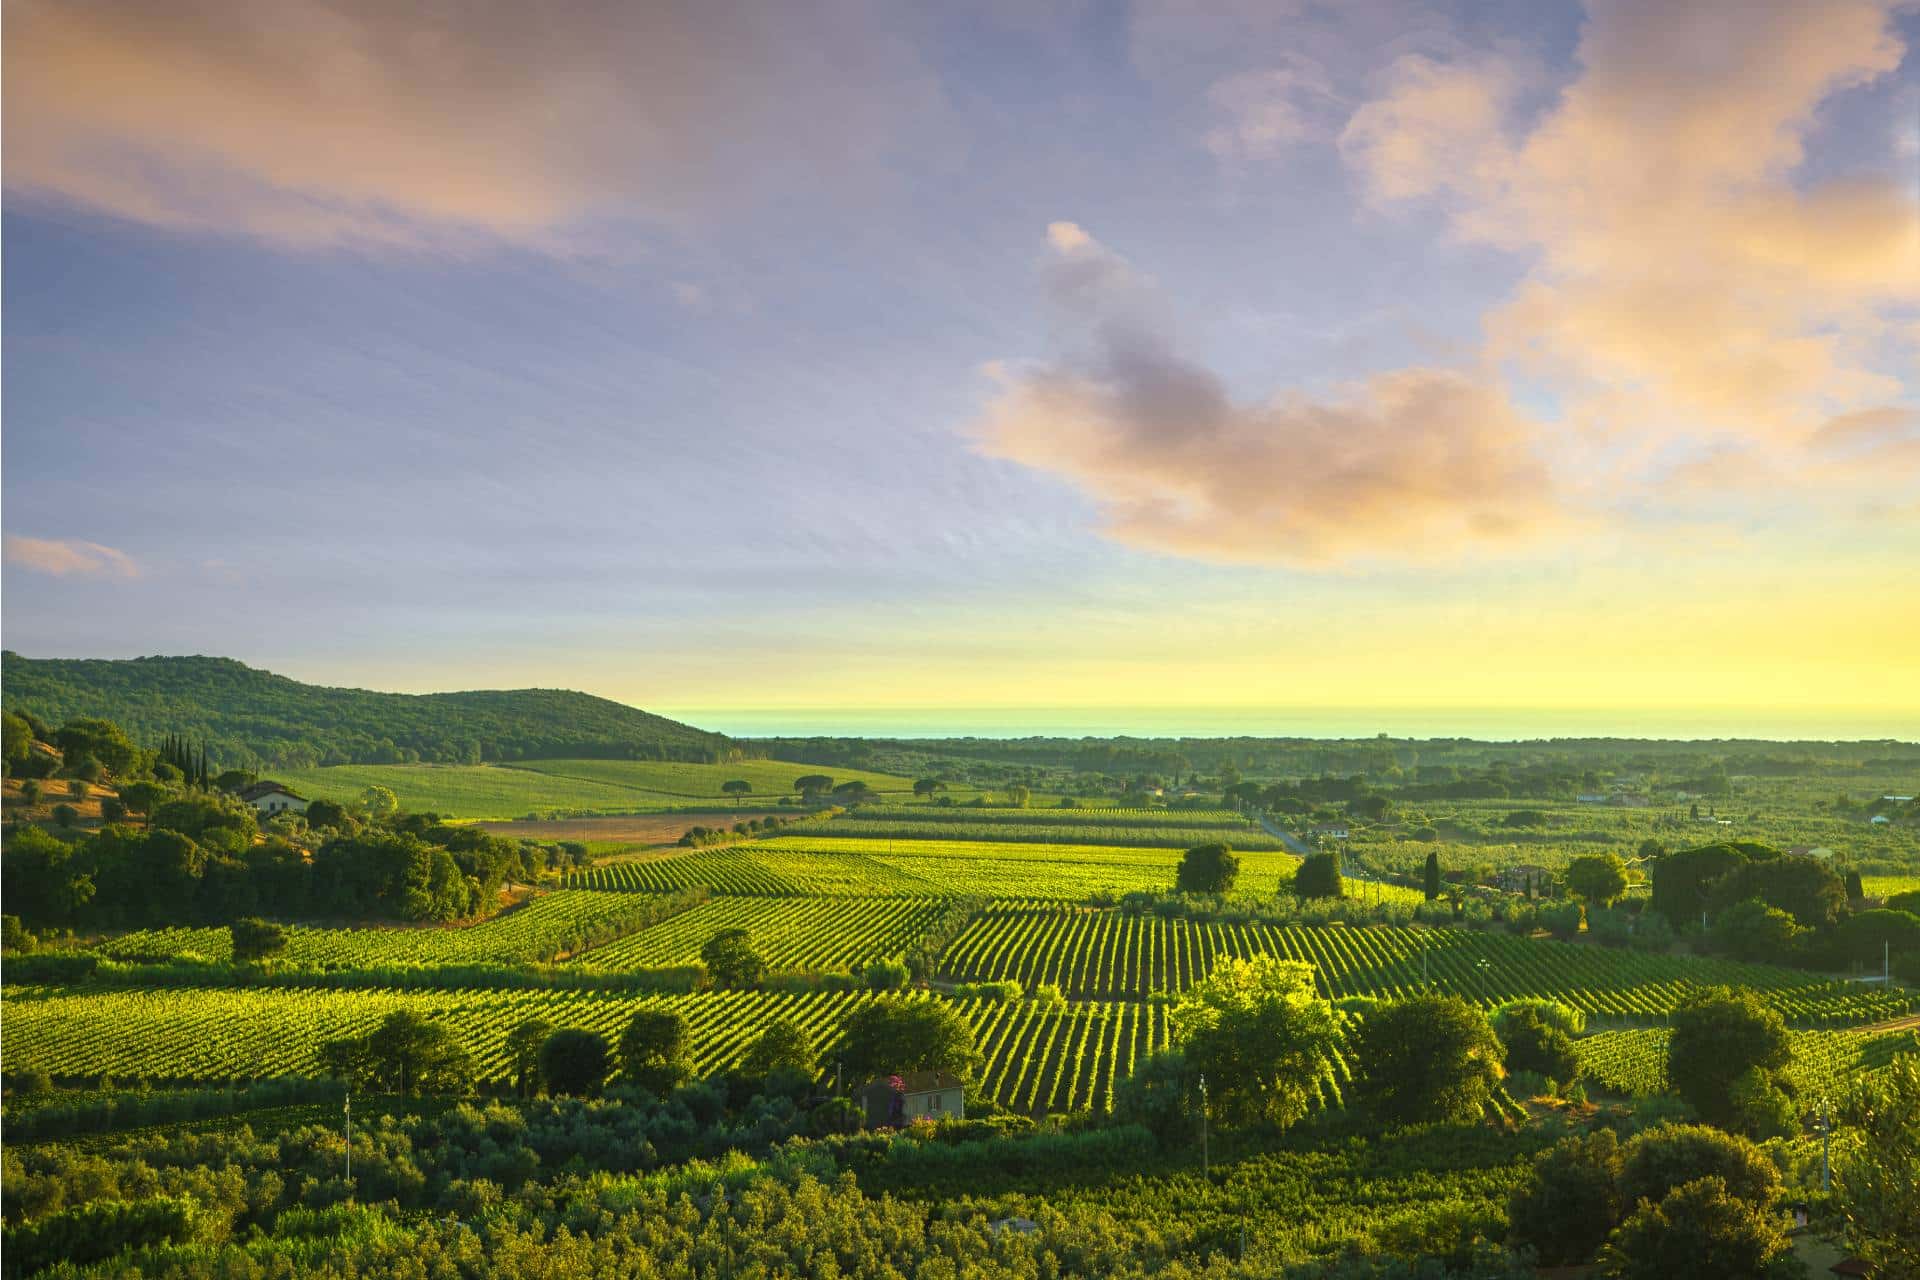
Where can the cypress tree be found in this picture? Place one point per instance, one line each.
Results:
(1433, 874)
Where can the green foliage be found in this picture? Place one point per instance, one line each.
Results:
(1752, 930)
(1426, 1059)
(1163, 1095)
(524, 1045)
(896, 1034)
(1664, 1158)
(250, 717)
(782, 1046)
(1718, 1036)
(574, 1061)
(654, 1051)
(1319, 876)
(1598, 878)
(1207, 868)
(1698, 1231)
(1536, 1037)
(254, 939)
(16, 742)
(1804, 888)
(1564, 1212)
(98, 1230)
(406, 1053)
(1267, 1043)
(1430, 876)
(1878, 1177)
(1681, 881)
(885, 975)
(731, 959)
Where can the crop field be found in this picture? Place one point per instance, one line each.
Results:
(831, 864)
(1189, 819)
(1824, 1062)
(471, 790)
(791, 933)
(1036, 1059)
(543, 929)
(1887, 886)
(670, 779)
(1109, 954)
(618, 832)
(1154, 835)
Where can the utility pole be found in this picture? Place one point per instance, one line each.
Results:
(349, 1111)
(1826, 1140)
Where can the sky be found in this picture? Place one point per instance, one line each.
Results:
(839, 362)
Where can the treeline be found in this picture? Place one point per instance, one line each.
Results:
(249, 718)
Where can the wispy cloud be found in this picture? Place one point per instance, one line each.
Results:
(1413, 465)
(69, 558)
(312, 122)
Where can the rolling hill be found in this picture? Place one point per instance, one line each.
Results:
(253, 718)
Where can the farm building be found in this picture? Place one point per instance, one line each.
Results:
(1329, 830)
(273, 797)
(913, 1095)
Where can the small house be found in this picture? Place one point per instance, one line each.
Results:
(268, 798)
(913, 1095)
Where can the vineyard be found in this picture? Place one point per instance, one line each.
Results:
(1108, 954)
(818, 865)
(1634, 1062)
(1036, 1059)
(544, 929)
(1152, 835)
(790, 933)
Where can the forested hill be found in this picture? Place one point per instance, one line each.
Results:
(251, 718)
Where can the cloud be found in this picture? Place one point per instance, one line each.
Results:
(1412, 465)
(69, 558)
(1685, 277)
(1268, 110)
(309, 122)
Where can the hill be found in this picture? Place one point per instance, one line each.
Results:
(253, 718)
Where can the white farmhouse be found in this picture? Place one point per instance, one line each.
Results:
(269, 798)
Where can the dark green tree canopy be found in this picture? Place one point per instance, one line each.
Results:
(1571, 1202)
(406, 1053)
(1804, 888)
(1207, 868)
(1719, 1035)
(1426, 1059)
(782, 1046)
(907, 1033)
(573, 1061)
(653, 1051)
(1319, 876)
(731, 959)
(1262, 1036)
(255, 939)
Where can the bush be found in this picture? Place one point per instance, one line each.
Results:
(1319, 876)
(1719, 1035)
(1572, 1201)
(1207, 868)
(1661, 1159)
(576, 1062)
(1698, 1231)
(886, 975)
(1430, 1058)
(653, 1051)
(1537, 1041)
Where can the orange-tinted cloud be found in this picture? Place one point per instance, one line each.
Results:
(1684, 279)
(69, 558)
(1408, 466)
(309, 122)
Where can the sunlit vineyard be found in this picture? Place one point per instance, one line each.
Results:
(790, 933)
(544, 929)
(1110, 954)
(967, 816)
(1037, 1059)
(1147, 835)
(818, 865)
(1824, 1062)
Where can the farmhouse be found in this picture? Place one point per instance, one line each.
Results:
(913, 1095)
(273, 797)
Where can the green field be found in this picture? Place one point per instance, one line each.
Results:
(539, 787)
(1037, 1059)
(790, 933)
(831, 864)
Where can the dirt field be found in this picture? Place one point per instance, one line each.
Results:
(646, 828)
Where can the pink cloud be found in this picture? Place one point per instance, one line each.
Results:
(69, 558)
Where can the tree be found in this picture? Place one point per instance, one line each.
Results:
(854, 792)
(143, 797)
(1878, 1178)
(782, 1046)
(1856, 890)
(1162, 1095)
(1718, 1036)
(255, 940)
(1597, 877)
(524, 1043)
(30, 791)
(575, 1062)
(378, 802)
(1262, 1036)
(1429, 1058)
(1804, 888)
(1536, 1039)
(1319, 876)
(731, 959)
(737, 788)
(895, 1034)
(104, 740)
(925, 787)
(812, 785)
(112, 809)
(66, 817)
(1698, 1231)
(1431, 879)
(653, 1051)
(328, 815)
(16, 741)
(1752, 930)
(1680, 881)
(1663, 1158)
(1207, 868)
(1018, 796)
(406, 1053)
(1565, 1210)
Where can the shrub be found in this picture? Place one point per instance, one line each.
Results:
(1698, 1231)
(886, 975)
(1661, 1159)
(573, 1061)
(1719, 1035)
(1572, 1201)
(1207, 868)
(1426, 1059)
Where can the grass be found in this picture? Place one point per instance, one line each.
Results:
(671, 779)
